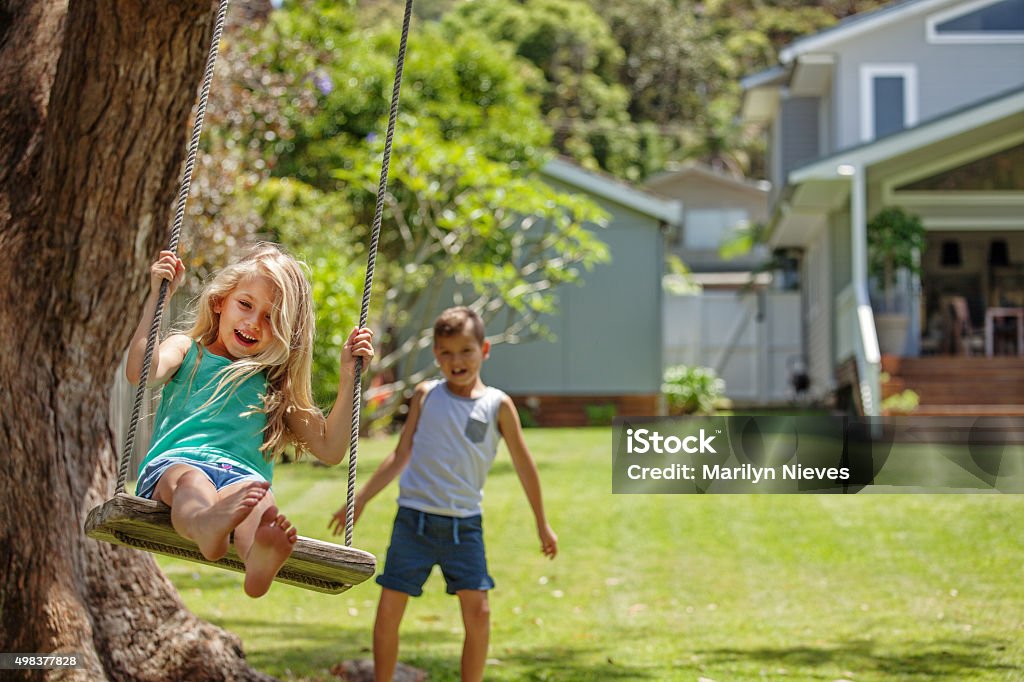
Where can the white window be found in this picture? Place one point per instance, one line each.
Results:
(708, 228)
(888, 99)
(981, 21)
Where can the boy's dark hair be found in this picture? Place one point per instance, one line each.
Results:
(454, 320)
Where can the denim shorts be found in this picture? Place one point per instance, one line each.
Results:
(221, 474)
(420, 540)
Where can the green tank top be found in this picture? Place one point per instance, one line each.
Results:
(220, 432)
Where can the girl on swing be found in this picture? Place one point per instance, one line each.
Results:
(236, 391)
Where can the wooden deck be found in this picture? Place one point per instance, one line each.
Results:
(959, 385)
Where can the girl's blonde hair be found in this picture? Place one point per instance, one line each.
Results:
(287, 360)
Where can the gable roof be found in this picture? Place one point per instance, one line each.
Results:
(614, 190)
(667, 177)
(858, 24)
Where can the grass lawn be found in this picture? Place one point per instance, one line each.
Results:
(727, 587)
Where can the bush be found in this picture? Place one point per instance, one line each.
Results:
(901, 403)
(600, 415)
(691, 390)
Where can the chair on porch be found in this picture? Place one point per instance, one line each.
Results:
(962, 337)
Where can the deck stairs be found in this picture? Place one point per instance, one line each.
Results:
(958, 385)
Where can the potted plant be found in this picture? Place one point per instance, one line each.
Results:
(895, 238)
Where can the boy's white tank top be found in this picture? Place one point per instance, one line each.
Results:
(453, 448)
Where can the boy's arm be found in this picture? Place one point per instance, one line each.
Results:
(328, 438)
(169, 354)
(526, 469)
(390, 468)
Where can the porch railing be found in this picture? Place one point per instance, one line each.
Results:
(856, 336)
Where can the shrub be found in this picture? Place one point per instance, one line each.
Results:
(691, 390)
(901, 403)
(600, 415)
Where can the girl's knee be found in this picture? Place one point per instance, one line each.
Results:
(178, 477)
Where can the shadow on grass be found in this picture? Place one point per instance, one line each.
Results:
(927, 660)
(210, 579)
(309, 649)
(565, 664)
(301, 649)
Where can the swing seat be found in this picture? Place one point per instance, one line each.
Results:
(146, 524)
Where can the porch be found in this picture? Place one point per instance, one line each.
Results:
(972, 294)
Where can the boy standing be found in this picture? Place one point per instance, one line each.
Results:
(446, 449)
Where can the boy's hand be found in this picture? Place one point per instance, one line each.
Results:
(359, 344)
(548, 541)
(168, 266)
(337, 522)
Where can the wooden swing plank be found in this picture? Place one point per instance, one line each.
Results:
(146, 524)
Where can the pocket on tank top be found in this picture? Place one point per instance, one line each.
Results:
(476, 430)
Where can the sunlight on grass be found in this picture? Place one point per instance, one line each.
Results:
(646, 587)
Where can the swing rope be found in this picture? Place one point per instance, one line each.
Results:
(370, 263)
(179, 215)
(186, 182)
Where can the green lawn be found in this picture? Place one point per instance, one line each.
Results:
(730, 587)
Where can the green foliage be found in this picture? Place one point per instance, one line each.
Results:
(691, 390)
(462, 87)
(526, 418)
(904, 402)
(743, 239)
(895, 238)
(678, 279)
(583, 102)
(600, 415)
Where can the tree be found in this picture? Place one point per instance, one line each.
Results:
(94, 102)
(471, 231)
(581, 98)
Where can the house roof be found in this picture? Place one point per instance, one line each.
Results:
(757, 187)
(614, 190)
(807, 63)
(857, 24)
(775, 75)
(1004, 105)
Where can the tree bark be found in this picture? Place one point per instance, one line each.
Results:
(95, 101)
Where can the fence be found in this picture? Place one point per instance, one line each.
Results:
(753, 340)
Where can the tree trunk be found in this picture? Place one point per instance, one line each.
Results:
(95, 100)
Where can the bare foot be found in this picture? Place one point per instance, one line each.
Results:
(211, 528)
(272, 545)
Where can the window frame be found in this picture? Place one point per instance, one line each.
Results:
(868, 73)
(933, 35)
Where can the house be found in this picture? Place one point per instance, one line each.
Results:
(605, 356)
(716, 206)
(918, 105)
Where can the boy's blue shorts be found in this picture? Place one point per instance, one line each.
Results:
(419, 540)
(220, 474)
